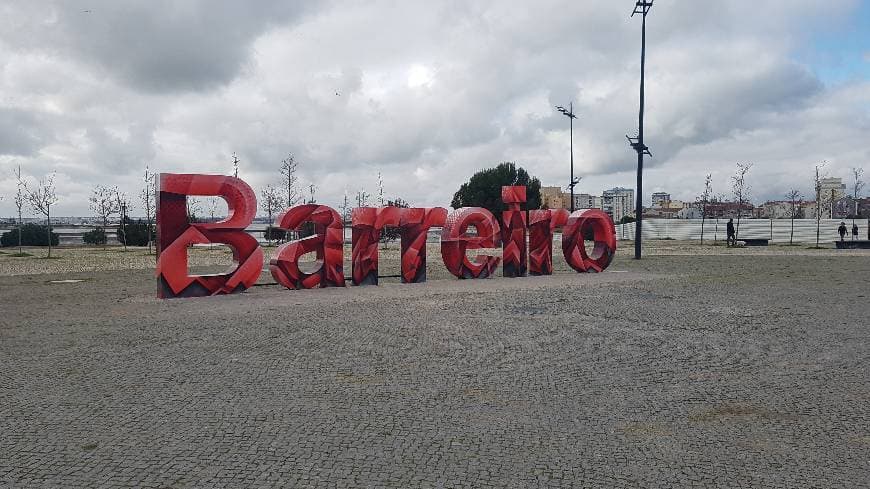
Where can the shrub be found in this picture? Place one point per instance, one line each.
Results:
(272, 233)
(31, 235)
(95, 237)
(135, 231)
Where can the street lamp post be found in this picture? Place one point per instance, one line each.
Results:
(641, 7)
(123, 223)
(569, 113)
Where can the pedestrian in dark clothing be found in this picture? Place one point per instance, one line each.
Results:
(842, 231)
(854, 231)
(732, 239)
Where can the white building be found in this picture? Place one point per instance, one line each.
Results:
(587, 201)
(618, 202)
(832, 189)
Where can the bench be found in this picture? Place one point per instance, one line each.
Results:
(848, 244)
(754, 241)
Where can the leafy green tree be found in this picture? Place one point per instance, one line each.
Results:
(483, 189)
(136, 232)
(30, 235)
(96, 236)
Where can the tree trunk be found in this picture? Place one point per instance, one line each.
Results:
(148, 221)
(20, 223)
(48, 219)
(737, 229)
(123, 231)
(791, 237)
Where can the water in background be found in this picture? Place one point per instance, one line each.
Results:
(776, 230)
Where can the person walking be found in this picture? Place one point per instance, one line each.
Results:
(854, 231)
(731, 240)
(842, 231)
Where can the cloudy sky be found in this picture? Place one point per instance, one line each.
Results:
(429, 92)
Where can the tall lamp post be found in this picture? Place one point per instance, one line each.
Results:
(641, 7)
(569, 113)
(123, 223)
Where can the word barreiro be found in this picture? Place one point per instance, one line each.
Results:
(175, 233)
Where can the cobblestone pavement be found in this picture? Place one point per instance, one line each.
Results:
(675, 371)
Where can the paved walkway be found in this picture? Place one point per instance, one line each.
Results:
(677, 372)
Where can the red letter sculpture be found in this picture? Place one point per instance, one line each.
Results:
(598, 224)
(366, 232)
(327, 241)
(415, 224)
(175, 233)
(514, 232)
(454, 242)
(542, 223)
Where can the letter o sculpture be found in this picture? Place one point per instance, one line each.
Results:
(601, 226)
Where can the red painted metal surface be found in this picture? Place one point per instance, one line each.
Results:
(175, 233)
(367, 223)
(327, 242)
(455, 242)
(599, 224)
(514, 258)
(415, 224)
(542, 223)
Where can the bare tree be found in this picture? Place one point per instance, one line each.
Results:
(19, 203)
(818, 188)
(741, 191)
(362, 198)
(193, 208)
(235, 166)
(312, 188)
(380, 190)
(41, 197)
(288, 172)
(104, 204)
(857, 186)
(270, 204)
(795, 198)
(148, 196)
(124, 207)
(704, 199)
(345, 215)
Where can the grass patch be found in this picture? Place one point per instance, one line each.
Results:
(50, 258)
(23, 254)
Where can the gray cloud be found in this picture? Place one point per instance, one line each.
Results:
(155, 46)
(21, 133)
(425, 92)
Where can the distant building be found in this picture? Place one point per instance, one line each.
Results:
(830, 191)
(781, 209)
(721, 209)
(832, 188)
(690, 212)
(553, 198)
(660, 199)
(586, 201)
(618, 202)
(846, 207)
